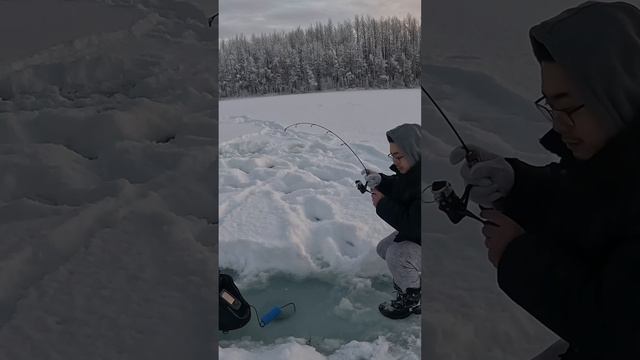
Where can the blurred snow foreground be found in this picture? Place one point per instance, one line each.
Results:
(108, 147)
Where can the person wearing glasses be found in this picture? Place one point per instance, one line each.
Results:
(567, 241)
(397, 200)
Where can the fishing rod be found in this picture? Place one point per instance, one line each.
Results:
(446, 119)
(331, 132)
(213, 18)
(448, 201)
(472, 159)
(362, 187)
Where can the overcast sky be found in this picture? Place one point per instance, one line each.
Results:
(266, 16)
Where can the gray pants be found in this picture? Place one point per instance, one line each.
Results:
(404, 260)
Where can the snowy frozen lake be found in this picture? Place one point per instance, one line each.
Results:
(107, 213)
(293, 227)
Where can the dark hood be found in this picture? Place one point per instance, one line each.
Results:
(409, 138)
(598, 44)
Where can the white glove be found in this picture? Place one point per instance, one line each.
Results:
(492, 176)
(372, 177)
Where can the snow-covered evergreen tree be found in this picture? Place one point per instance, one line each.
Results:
(363, 53)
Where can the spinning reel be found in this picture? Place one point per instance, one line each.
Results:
(448, 201)
(362, 187)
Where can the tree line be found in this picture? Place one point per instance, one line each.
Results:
(363, 53)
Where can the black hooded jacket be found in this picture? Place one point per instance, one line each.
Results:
(400, 206)
(577, 267)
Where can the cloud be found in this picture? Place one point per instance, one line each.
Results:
(255, 17)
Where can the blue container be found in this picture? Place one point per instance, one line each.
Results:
(271, 315)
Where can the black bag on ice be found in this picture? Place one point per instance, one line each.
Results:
(234, 311)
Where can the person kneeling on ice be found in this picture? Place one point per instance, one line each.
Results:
(565, 237)
(397, 201)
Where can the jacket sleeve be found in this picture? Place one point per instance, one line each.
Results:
(386, 183)
(595, 311)
(528, 198)
(405, 219)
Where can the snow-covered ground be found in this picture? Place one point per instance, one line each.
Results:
(478, 64)
(465, 314)
(293, 227)
(490, 36)
(108, 148)
(108, 142)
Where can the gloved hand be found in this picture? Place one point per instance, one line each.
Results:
(492, 176)
(372, 177)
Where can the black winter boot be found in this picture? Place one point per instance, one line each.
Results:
(405, 304)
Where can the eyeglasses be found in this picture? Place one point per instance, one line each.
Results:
(551, 114)
(398, 157)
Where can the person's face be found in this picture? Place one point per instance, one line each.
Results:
(581, 130)
(400, 159)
